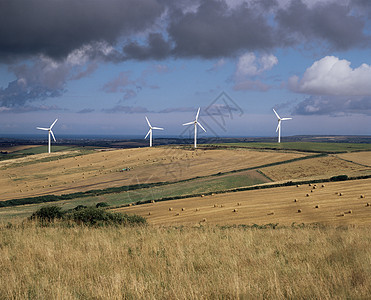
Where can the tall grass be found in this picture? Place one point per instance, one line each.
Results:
(183, 263)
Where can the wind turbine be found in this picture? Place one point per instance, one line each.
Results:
(150, 132)
(49, 130)
(195, 122)
(279, 125)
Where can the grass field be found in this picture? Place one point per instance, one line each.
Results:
(305, 146)
(275, 205)
(70, 172)
(315, 168)
(184, 263)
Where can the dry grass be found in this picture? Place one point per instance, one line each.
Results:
(255, 206)
(363, 158)
(322, 167)
(187, 263)
(29, 176)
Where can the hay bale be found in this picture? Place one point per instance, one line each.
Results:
(295, 200)
(317, 206)
(341, 194)
(212, 194)
(323, 185)
(215, 205)
(177, 214)
(202, 195)
(310, 184)
(235, 210)
(197, 209)
(362, 196)
(299, 210)
(183, 209)
(152, 201)
(239, 203)
(170, 208)
(307, 195)
(349, 211)
(204, 220)
(298, 185)
(270, 213)
(221, 205)
(341, 215)
(149, 213)
(368, 204)
(311, 191)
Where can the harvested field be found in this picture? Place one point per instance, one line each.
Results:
(17, 148)
(314, 168)
(274, 205)
(363, 158)
(31, 176)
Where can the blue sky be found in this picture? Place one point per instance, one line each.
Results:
(101, 66)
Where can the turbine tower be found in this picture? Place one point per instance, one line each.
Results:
(195, 122)
(279, 125)
(150, 132)
(50, 132)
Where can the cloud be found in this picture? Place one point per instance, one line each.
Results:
(57, 28)
(332, 76)
(249, 67)
(30, 108)
(177, 109)
(325, 21)
(126, 109)
(86, 111)
(332, 105)
(43, 77)
(119, 83)
(118, 30)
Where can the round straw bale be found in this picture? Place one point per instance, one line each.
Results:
(149, 213)
(152, 201)
(299, 210)
(183, 209)
(317, 206)
(239, 203)
(197, 209)
(215, 205)
(307, 195)
(170, 208)
(362, 196)
(341, 194)
(295, 200)
(368, 204)
(235, 210)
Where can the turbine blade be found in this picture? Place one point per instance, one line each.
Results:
(41, 128)
(149, 124)
(199, 124)
(284, 119)
(149, 131)
(279, 125)
(189, 123)
(276, 114)
(159, 128)
(198, 112)
(53, 123)
(53, 136)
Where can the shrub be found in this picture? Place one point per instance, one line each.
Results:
(78, 207)
(48, 213)
(101, 204)
(339, 178)
(98, 216)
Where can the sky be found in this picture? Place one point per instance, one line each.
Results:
(101, 66)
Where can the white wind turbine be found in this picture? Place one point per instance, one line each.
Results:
(150, 131)
(195, 122)
(279, 125)
(50, 132)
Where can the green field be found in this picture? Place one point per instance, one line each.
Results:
(302, 146)
(196, 186)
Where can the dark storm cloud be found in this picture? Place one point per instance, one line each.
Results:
(215, 30)
(187, 28)
(329, 22)
(56, 28)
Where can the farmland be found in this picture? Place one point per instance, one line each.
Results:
(274, 205)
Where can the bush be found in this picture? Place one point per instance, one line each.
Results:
(48, 213)
(101, 204)
(98, 216)
(78, 207)
(339, 178)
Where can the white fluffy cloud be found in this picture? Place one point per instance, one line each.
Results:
(249, 65)
(333, 76)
